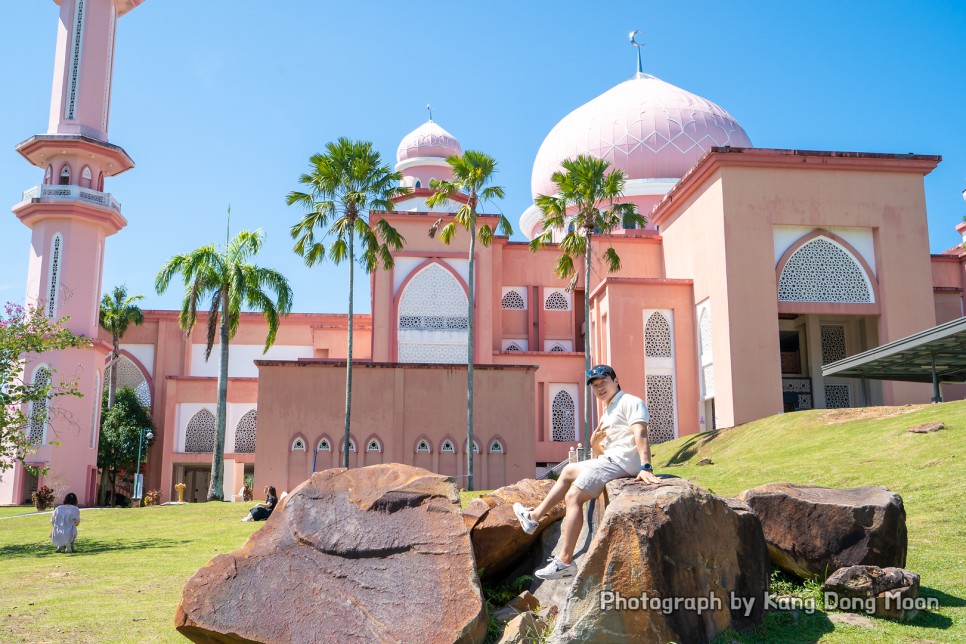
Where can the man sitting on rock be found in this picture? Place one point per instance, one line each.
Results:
(621, 440)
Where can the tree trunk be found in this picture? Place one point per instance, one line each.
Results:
(469, 354)
(348, 361)
(216, 490)
(586, 432)
(113, 386)
(112, 477)
(102, 496)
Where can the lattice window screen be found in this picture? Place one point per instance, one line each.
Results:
(705, 330)
(837, 397)
(422, 447)
(39, 410)
(245, 432)
(298, 445)
(374, 445)
(833, 343)
(128, 375)
(433, 319)
(75, 59)
(496, 447)
(56, 248)
(513, 300)
(657, 337)
(563, 417)
(199, 437)
(556, 300)
(447, 447)
(822, 271)
(324, 445)
(660, 405)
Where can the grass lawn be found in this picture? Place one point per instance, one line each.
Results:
(124, 581)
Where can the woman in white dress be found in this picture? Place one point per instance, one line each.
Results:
(65, 520)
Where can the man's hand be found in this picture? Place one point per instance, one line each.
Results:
(649, 477)
(596, 439)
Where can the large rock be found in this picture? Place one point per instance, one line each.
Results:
(552, 593)
(376, 554)
(498, 540)
(664, 565)
(814, 531)
(754, 565)
(883, 592)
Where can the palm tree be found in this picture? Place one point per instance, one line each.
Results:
(472, 173)
(342, 187)
(585, 204)
(231, 283)
(118, 311)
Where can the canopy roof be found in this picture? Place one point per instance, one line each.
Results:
(939, 352)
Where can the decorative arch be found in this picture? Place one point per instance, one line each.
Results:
(245, 432)
(65, 175)
(417, 184)
(431, 321)
(352, 445)
(199, 435)
(39, 410)
(87, 177)
(299, 444)
(657, 336)
(131, 373)
(556, 300)
(496, 446)
(447, 446)
(373, 444)
(822, 267)
(513, 347)
(324, 444)
(514, 299)
(476, 447)
(423, 446)
(49, 175)
(53, 282)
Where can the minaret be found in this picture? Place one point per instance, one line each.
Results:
(70, 216)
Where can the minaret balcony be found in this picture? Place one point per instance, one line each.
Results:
(48, 193)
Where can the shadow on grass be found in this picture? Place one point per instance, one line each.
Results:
(85, 547)
(691, 446)
(784, 626)
(945, 601)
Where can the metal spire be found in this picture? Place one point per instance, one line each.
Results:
(430, 108)
(638, 46)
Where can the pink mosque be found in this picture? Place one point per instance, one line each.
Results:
(757, 266)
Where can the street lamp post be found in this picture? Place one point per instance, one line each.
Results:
(138, 491)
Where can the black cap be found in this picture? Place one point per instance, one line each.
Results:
(601, 371)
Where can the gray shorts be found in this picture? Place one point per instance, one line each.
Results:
(597, 472)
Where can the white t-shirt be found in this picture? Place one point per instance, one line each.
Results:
(623, 411)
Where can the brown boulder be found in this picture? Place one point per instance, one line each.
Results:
(883, 592)
(813, 531)
(659, 544)
(376, 554)
(927, 428)
(754, 565)
(525, 628)
(498, 540)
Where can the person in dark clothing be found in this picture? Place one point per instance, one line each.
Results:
(264, 510)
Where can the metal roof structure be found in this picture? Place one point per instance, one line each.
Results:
(935, 355)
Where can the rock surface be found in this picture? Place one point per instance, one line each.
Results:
(885, 592)
(498, 541)
(851, 619)
(813, 531)
(754, 565)
(927, 428)
(664, 543)
(525, 628)
(375, 554)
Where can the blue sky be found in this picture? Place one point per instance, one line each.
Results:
(220, 108)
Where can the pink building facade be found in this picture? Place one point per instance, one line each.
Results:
(756, 267)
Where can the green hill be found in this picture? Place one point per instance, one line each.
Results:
(848, 448)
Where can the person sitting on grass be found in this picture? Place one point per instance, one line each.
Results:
(263, 510)
(621, 440)
(65, 519)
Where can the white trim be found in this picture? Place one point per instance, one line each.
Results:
(415, 162)
(296, 447)
(662, 366)
(318, 446)
(53, 277)
(74, 64)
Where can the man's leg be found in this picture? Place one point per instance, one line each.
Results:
(567, 476)
(573, 522)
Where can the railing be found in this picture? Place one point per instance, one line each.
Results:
(47, 191)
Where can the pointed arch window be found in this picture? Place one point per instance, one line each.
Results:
(476, 447)
(556, 300)
(433, 325)
(563, 415)
(39, 409)
(422, 447)
(373, 445)
(352, 446)
(822, 270)
(48, 175)
(65, 175)
(245, 432)
(199, 436)
(447, 447)
(298, 445)
(324, 445)
(659, 371)
(513, 300)
(657, 337)
(496, 447)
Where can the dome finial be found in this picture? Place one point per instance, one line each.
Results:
(638, 46)
(429, 107)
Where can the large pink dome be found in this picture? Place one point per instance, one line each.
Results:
(428, 140)
(646, 127)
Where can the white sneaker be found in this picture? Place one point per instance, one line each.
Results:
(69, 549)
(523, 514)
(248, 517)
(556, 569)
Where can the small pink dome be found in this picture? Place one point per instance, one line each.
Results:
(646, 127)
(428, 140)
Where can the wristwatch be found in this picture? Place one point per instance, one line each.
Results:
(647, 467)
